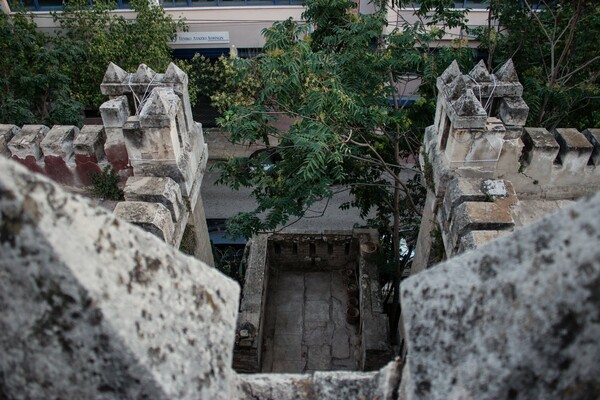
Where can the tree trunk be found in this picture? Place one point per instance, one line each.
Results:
(395, 315)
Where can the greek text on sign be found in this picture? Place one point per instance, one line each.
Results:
(202, 38)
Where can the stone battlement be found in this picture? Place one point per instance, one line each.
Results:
(66, 154)
(479, 138)
(93, 307)
(147, 136)
(479, 131)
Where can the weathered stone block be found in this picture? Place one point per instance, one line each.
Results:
(57, 147)
(155, 135)
(90, 142)
(513, 111)
(575, 149)
(115, 112)
(26, 142)
(375, 346)
(480, 74)
(115, 149)
(508, 161)
(539, 153)
(95, 308)
(152, 217)
(513, 132)
(88, 147)
(323, 385)
(480, 216)
(58, 142)
(474, 147)
(475, 239)
(593, 135)
(6, 134)
(25, 147)
(164, 191)
(518, 318)
(467, 112)
(160, 109)
(459, 191)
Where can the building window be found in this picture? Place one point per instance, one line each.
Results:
(458, 4)
(50, 5)
(471, 4)
(54, 5)
(225, 3)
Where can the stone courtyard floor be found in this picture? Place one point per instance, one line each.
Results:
(306, 328)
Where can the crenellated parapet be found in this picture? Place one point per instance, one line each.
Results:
(65, 153)
(479, 131)
(148, 136)
(149, 113)
(479, 135)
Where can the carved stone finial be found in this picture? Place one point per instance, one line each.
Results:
(114, 74)
(144, 74)
(451, 72)
(456, 88)
(507, 72)
(480, 73)
(175, 74)
(468, 105)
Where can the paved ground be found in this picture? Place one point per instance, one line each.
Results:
(306, 328)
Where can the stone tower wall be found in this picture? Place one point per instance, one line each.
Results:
(93, 307)
(148, 137)
(483, 167)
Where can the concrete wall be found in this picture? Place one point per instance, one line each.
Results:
(312, 251)
(245, 23)
(247, 354)
(317, 251)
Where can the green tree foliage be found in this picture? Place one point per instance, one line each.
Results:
(553, 45)
(106, 184)
(333, 88)
(217, 79)
(36, 75)
(328, 100)
(108, 37)
(50, 79)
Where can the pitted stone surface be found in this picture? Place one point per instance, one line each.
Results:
(152, 217)
(494, 187)
(115, 112)
(114, 74)
(156, 190)
(451, 72)
(95, 308)
(480, 73)
(321, 385)
(519, 318)
(593, 135)
(539, 138)
(90, 141)
(513, 111)
(58, 142)
(6, 134)
(507, 72)
(26, 142)
(575, 148)
(572, 139)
